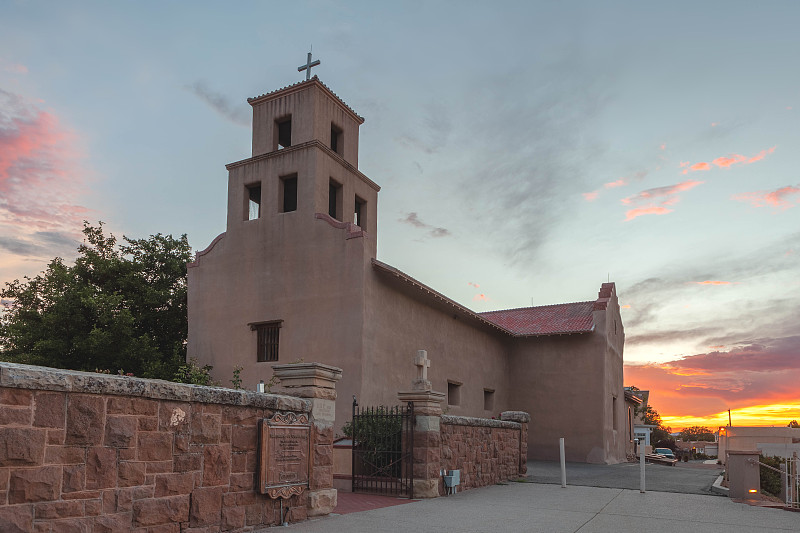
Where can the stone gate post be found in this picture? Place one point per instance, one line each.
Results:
(523, 418)
(316, 382)
(427, 431)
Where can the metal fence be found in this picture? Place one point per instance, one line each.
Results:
(383, 443)
(793, 482)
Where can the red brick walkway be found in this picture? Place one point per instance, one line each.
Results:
(348, 502)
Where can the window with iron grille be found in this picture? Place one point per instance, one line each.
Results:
(268, 339)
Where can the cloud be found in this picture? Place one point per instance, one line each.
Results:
(619, 183)
(640, 211)
(414, 220)
(590, 196)
(710, 282)
(218, 102)
(473, 285)
(657, 200)
(41, 179)
(762, 373)
(663, 146)
(480, 298)
(783, 198)
(727, 161)
(15, 68)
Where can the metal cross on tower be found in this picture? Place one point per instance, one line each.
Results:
(307, 66)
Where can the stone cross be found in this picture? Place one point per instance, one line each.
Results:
(422, 362)
(307, 66)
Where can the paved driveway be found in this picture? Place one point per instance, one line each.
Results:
(533, 507)
(693, 477)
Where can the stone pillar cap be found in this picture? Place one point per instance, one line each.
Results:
(516, 416)
(307, 375)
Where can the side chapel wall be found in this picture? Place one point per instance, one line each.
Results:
(462, 352)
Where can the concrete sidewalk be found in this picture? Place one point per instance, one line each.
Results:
(523, 507)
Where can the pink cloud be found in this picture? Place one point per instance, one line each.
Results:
(727, 161)
(714, 124)
(663, 146)
(590, 196)
(640, 211)
(710, 282)
(782, 198)
(473, 284)
(480, 298)
(40, 178)
(658, 200)
(16, 68)
(619, 183)
(685, 163)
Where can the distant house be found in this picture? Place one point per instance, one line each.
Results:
(770, 441)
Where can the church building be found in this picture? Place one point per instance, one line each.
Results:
(295, 276)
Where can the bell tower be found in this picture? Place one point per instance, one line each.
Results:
(287, 280)
(305, 161)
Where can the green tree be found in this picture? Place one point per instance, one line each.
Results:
(697, 433)
(120, 306)
(660, 436)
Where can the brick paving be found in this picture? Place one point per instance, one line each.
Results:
(349, 502)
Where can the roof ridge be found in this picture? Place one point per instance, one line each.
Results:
(536, 307)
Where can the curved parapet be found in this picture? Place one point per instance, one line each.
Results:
(201, 253)
(353, 231)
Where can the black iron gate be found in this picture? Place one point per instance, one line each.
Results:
(383, 440)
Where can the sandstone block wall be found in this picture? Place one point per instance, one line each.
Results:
(486, 451)
(93, 453)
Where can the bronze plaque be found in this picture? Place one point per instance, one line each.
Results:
(285, 454)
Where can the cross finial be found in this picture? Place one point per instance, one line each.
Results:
(307, 66)
(422, 362)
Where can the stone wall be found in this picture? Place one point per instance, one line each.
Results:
(90, 452)
(486, 451)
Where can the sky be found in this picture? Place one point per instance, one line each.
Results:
(527, 152)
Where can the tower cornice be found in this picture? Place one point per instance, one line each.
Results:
(299, 86)
(302, 146)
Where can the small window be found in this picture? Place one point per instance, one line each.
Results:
(453, 393)
(336, 139)
(284, 132)
(488, 399)
(614, 411)
(289, 193)
(335, 199)
(267, 340)
(253, 201)
(360, 215)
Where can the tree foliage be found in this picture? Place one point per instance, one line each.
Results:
(699, 433)
(120, 306)
(660, 436)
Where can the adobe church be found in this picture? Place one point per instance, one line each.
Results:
(296, 276)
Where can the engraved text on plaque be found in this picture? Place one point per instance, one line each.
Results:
(285, 452)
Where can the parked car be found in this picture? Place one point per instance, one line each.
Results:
(666, 452)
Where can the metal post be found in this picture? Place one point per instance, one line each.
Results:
(642, 488)
(563, 463)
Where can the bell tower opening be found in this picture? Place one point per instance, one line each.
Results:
(283, 130)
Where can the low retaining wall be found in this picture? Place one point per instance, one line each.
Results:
(90, 452)
(486, 451)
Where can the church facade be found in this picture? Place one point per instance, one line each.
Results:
(295, 277)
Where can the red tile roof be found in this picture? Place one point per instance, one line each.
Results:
(545, 320)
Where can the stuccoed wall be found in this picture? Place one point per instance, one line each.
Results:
(91, 452)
